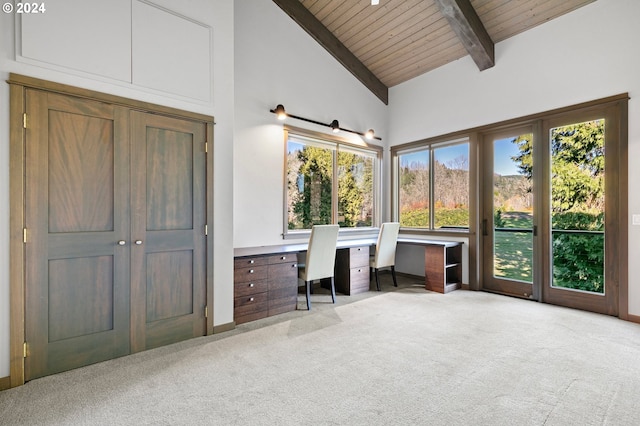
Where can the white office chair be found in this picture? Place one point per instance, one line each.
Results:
(321, 258)
(385, 255)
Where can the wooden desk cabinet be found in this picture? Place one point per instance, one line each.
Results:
(443, 267)
(264, 286)
(352, 270)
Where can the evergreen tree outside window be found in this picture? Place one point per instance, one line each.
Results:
(329, 181)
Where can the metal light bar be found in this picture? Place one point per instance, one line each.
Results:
(282, 114)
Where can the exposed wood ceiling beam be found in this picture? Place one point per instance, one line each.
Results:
(322, 35)
(472, 34)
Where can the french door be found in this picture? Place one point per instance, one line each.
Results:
(509, 219)
(580, 180)
(551, 210)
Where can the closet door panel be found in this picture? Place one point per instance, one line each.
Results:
(76, 212)
(168, 230)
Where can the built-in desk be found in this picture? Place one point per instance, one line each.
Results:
(442, 264)
(266, 277)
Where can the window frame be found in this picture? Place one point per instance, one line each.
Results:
(432, 144)
(334, 143)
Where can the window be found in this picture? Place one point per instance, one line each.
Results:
(328, 180)
(432, 182)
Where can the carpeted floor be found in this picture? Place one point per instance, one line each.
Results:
(399, 357)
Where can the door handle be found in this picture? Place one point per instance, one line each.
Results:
(484, 227)
(138, 242)
(122, 242)
(535, 230)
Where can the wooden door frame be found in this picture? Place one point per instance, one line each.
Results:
(18, 85)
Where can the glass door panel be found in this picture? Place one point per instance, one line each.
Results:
(576, 202)
(508, 223)
(577, 206)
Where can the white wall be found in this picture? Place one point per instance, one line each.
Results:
(588, 54)
(219, 16)
(278, 62)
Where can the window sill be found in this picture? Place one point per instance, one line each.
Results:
(448, 232)
(345, 233)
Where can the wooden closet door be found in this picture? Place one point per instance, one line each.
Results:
(76, 212)
(168, 252)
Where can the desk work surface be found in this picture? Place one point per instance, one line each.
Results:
(342, 244)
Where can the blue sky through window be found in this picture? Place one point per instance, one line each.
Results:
(503, 150)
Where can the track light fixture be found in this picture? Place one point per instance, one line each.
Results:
(280, 112)
(369, 134)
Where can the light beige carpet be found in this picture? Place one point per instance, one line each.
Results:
(400, 357)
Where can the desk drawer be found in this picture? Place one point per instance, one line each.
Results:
(359, 256)
(249, 262)
(282, 258)
(244, 305)
(250, 287)
(242, 275)
(359, 280)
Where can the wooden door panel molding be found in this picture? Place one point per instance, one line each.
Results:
(80, 173)
(89, 279)
(169, 179)
(169, 285)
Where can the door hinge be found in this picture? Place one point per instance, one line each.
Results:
(24, 235)
(206, 147)
(206, 230)
(24, 120)
(206, 312)
(25, 350)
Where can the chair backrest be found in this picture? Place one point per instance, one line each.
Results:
(321, 254)
(386, 245)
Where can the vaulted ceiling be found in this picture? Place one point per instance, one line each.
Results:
(397, 40)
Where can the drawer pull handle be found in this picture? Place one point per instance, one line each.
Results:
(295, 265)
(359, 270)
(251, 271)
(251, 299)
(252, 262)
(359, 249)
(251, 285)
(283, 258)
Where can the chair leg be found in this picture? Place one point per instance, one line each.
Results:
(393, 274)
(333, 290)
(308, 285)
(377, 279)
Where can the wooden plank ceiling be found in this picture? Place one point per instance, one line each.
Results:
(398, 40)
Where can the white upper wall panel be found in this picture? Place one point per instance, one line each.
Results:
(92, 36)
(170, 53)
